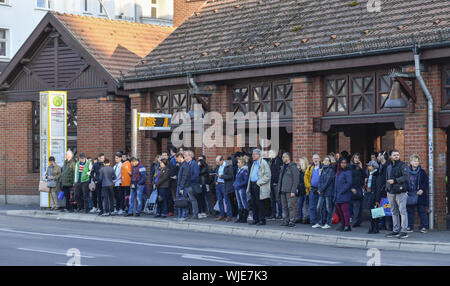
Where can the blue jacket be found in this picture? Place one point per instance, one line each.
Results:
(423, 185)
(241, 180)
(342, 186)
(195, 171)
(184, 176)
(326, 181)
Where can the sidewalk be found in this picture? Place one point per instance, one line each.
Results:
(432, 242)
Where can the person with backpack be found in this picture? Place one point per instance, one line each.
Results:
(82, 177)
(417, 194)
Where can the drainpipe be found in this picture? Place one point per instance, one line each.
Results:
(430, 135)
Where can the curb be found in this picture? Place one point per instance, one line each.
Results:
(330, 240)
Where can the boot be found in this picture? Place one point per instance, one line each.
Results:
(240, 214)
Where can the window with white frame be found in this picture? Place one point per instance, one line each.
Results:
(3, 43)
(154, 8)
(45, 4)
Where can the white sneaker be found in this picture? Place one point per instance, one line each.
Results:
(120, 212)
(97, 210)
(326, 226)
(316, 225)
(93, 210)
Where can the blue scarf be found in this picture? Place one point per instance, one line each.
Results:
(369, 182)
(414, 179)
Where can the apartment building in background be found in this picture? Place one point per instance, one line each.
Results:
(18, 18)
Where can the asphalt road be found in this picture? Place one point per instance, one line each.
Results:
(29, 241)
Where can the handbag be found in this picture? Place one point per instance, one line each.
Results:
(335, 219)
(61, 195)
(412, 198)
(51, 184)
(92, 186)
(153, 197)
(377, 212)
(43, 187)
(181, 202)
(386, 206)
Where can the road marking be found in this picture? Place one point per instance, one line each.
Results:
(223, 260)
(65, 264)
(51, 252)
(175, 247)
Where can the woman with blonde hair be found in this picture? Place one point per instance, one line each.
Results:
(301, 191)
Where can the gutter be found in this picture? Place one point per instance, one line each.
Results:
(429, 98)
(286, 62)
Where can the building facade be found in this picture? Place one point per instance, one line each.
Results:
(325, 67)
(18, 18)
(86, 57)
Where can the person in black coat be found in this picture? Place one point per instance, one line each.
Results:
(418, 186)
(374, 197)
(275, 201)
(358, 176)
(383, 163)
(325, 191)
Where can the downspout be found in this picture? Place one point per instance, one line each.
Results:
(195, 90)
(430, 135)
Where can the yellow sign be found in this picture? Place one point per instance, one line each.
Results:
(57, 101)
(153, 121)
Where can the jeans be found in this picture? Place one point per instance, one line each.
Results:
(357, 211)
(82, 196)
(256, 203)
(241, 198)
(221, 196)
(182, 212)
(67, 197)
(136, 193)
(325, 210)
(164, 193)
(343, 211)
(275, 201)
(422, 209)
(120, 197)
(313, 200)
(288, 204)
(398, 209)
(300, 202)
(107, 199)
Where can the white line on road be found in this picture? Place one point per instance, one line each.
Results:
(174, 246)
(51, 252)
(223, 260)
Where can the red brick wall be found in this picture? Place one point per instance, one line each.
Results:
(344, 143)
(101, 127)
(307, 92)
(416, 140)
(16, 149)
(182, 9)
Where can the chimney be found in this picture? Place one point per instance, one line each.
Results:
(182, 9)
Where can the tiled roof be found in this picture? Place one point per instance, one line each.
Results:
(117, 45)
(226, 34)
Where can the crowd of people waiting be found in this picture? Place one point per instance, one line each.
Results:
(332, 188)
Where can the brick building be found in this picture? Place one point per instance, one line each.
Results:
(324, 66)
(84, 56)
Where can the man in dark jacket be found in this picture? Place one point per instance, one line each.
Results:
(97, 194)
(195, 182)
(397, 187)
(138, 179)
(275, 203)
(286, 186)
(385, 222)
(418, 187)
(183, 183)
(67, 179)
(228, 177)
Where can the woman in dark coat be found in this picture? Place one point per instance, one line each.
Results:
(374, 198)
(326, 189)
(162, 180)
(358, 176)
(418, 186)
(343, 194)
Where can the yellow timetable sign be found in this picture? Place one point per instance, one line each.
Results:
(154, 121)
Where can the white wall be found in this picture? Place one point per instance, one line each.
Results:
(20, 17)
